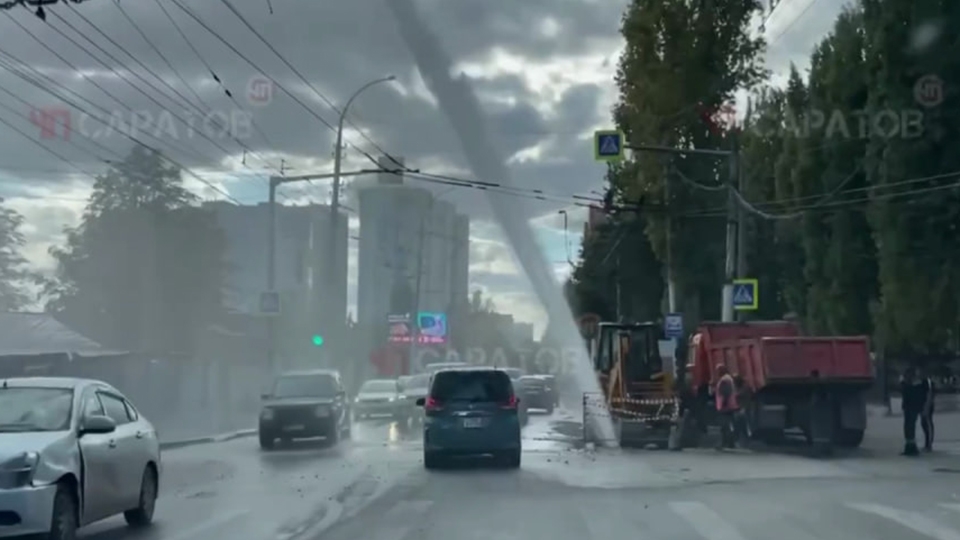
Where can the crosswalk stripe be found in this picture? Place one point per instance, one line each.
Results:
(911, 520)
(705, 521)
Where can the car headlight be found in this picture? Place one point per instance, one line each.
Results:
(266, 414)
(321, 411)
(18, 472)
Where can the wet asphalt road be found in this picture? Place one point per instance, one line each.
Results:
(375, 488)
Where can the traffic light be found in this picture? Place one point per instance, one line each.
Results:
(317, 340)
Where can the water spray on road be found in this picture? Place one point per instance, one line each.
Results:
(459, 103)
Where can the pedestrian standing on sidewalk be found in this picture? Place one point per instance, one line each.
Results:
(725, 395)
(926, 416)
(913, 398)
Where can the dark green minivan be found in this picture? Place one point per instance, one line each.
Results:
(471, 412)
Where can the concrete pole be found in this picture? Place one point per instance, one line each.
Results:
(332, 258)
(731, 247)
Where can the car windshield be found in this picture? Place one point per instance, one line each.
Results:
(473, 386)
(370, 387)
(289, 386)
(24, 409)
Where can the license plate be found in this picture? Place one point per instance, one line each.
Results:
(295, 427)
(472, 422)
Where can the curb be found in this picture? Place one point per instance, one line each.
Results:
(222, 437)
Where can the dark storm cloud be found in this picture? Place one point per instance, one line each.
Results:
(337, 45)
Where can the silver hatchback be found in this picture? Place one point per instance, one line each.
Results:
(72, 452)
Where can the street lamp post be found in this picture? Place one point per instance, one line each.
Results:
(275, 182)
(337, 159)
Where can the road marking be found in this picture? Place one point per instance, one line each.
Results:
(208, 524)
(911, 520)
(705, 521)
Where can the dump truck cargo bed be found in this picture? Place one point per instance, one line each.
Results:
(797, 360)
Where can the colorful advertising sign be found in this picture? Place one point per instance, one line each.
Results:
(431, 328)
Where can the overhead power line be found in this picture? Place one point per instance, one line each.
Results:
(77, 107)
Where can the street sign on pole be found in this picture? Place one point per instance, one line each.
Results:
(746, 295)
(270, 303)
(673, 326)
(608, 145)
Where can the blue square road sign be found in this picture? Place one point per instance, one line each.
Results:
(608, 145)
(673, 326)
(746, 295)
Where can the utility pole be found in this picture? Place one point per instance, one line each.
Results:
(274, 183)
(332, 261)
(737, 180)
(418, 280)
(731, 242)
(731, 247)
(671, 280)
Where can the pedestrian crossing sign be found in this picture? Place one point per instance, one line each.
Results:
(608, 145)
(746, 294)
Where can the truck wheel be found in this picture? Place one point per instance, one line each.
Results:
(849, 438)
(550, 408)
(772, 437)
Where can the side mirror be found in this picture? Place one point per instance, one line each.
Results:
(97, 424)
(421, 402)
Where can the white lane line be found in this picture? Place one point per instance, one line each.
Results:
(203, 526)
(705, 521)
(911, 520)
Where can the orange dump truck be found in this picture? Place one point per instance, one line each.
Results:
(787, 381)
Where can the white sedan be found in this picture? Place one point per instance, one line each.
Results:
(72, 452)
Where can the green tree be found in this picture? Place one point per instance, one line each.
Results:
(914, 222)
(144, 268)
(681, 60)
(618, 273)
(15, 276)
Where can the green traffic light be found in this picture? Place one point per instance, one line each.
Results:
(318, 340)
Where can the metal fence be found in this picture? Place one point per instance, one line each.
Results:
(183, 397)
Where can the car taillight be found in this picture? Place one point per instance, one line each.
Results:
(511, 403)
(431, 404)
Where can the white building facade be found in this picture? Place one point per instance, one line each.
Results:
(408, 239)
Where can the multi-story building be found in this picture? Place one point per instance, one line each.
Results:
(306, 267)
(409, 241)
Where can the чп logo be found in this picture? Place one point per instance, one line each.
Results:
(47, 118)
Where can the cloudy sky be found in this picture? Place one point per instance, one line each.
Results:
(543, 70)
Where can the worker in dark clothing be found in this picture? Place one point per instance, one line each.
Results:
(913, 395)
(926, 414)
(727, 404)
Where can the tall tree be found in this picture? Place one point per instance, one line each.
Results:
(15, 276)
(683, 59)
(144, 269)
(915, 207)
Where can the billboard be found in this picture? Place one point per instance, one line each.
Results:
(431, 327)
